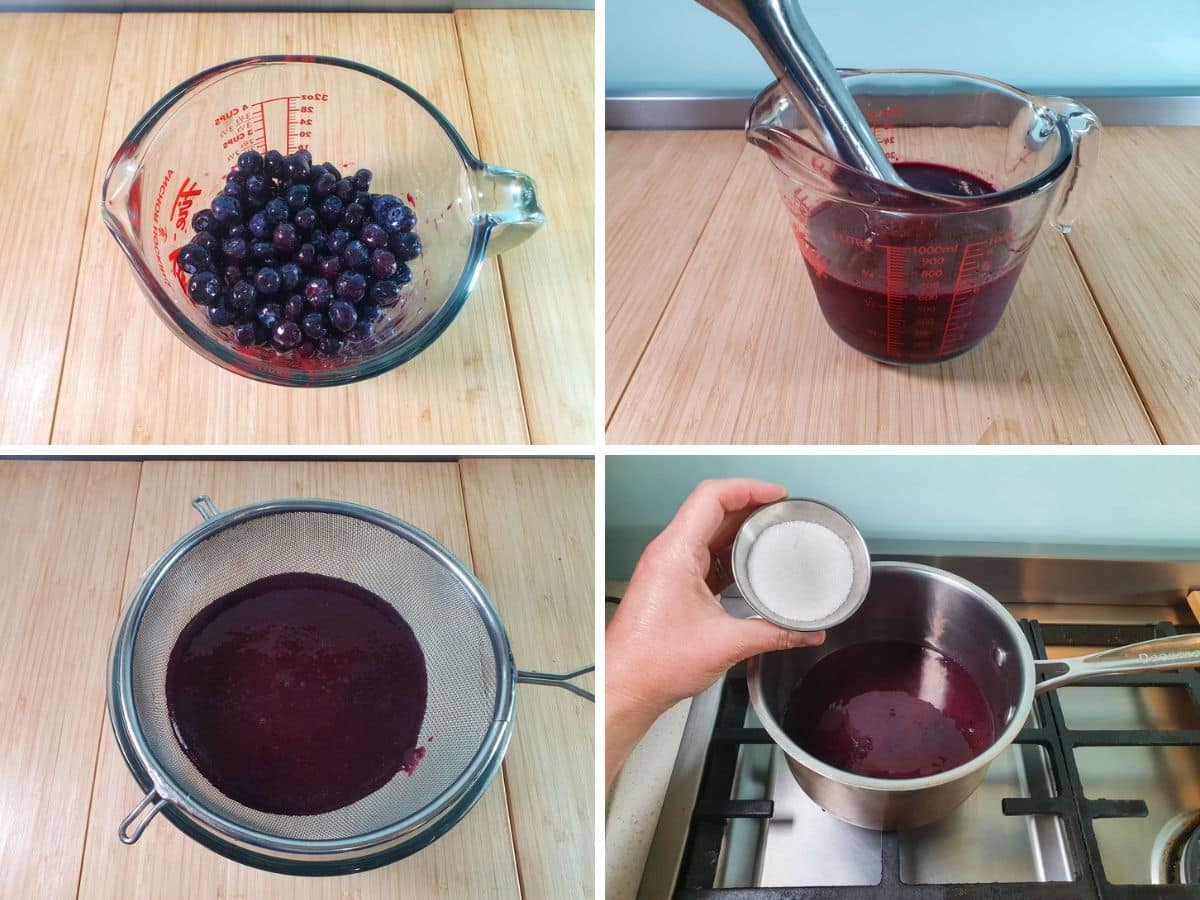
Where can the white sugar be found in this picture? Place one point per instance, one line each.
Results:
(801, 570)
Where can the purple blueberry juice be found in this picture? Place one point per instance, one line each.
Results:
(913, 287)
(298, 694)
(890, 709)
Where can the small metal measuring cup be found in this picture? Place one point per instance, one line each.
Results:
(802, 510)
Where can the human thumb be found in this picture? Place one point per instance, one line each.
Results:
(750, 637)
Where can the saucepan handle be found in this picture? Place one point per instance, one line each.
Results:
(562, 680)
(1178, 652)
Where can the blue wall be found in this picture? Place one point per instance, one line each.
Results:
(1070, 46)
(1133, 501)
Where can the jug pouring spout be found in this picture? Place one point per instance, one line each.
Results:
(508, 203)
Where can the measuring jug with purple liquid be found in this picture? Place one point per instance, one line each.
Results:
(924, 275)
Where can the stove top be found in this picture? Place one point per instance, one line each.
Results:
(1099, 797)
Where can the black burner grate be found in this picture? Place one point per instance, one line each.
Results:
(1077, 813)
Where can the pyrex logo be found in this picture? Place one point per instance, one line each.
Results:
(188, 192)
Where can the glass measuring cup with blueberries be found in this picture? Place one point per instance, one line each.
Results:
(899, 275)
(308, 220)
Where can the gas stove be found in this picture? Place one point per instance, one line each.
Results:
(1098, 797)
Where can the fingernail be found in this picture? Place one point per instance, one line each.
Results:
(809, 638)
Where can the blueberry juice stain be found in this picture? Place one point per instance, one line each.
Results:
(298, 694)
(918, 286)
(890, 709)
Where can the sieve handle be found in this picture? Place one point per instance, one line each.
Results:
(205, 506)
(130, 837)
(563, 680)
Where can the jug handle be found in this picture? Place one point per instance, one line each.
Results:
(1085, 131)
(507, 202)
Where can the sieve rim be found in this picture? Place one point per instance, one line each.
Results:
(477, 774)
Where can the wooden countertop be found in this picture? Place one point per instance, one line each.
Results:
(713, 334)
(78, 537)
(87, 361)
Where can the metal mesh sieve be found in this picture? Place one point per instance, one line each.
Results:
(471, 679)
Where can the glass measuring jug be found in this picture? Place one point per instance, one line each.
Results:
(176, 157)
(924, 275)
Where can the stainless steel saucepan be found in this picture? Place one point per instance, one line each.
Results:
(927, 606)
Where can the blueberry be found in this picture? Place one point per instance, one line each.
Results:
(306, 255)
(307, 350)
(342, 315)
(235, 189)
(192, 258)
(324, 185)
(314, 326)
(338, 239)
(381, 204)
(385, 292)
(314, 286)
(285, 238)
(297, 197)
(203, 220)
(355, 255)
(333, 170)
(290, 273)
(237, 231)
(244, 333)
(399, 218)
(286, 335)
(304, 154)
(345, 190)
(235, 249)
(273, 163)
(270, 314)
(207, 240)
(242, 295)
(233, 274)
(359, 332)
(328, 267)
(260, 226)
(276, 210)
(383, 264)
(319, 239)
(250, 163)
(364, 199)
(297, 165)
(294, 308)
(331, 209)
(362, 179)
(263, 250)
(305, 219)
(368, 313)
(320, 302)
(267, 280)
(225, 209)
(204, 287)
(403, 274)
(220, 316)
(353, 216)
(374, 236)
(235, 177)
(330, 345)
(351, 286)
(254, 203)
(406, 245)
(256, 186)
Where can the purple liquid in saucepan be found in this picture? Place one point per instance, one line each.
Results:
(298, 694)
(889, 709)
(938, 291)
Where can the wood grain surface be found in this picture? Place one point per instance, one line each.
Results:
(531, 86)
(1138, 243)
(62, 552)
(742, 354)
(532, 541)
(119, 376)
(52, 119)
(61, 773)
(681, 173)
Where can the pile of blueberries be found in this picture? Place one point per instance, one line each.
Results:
(295, 256)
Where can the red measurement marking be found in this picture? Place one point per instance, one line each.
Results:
(293, 125)
(966, 286)
(896, 280)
